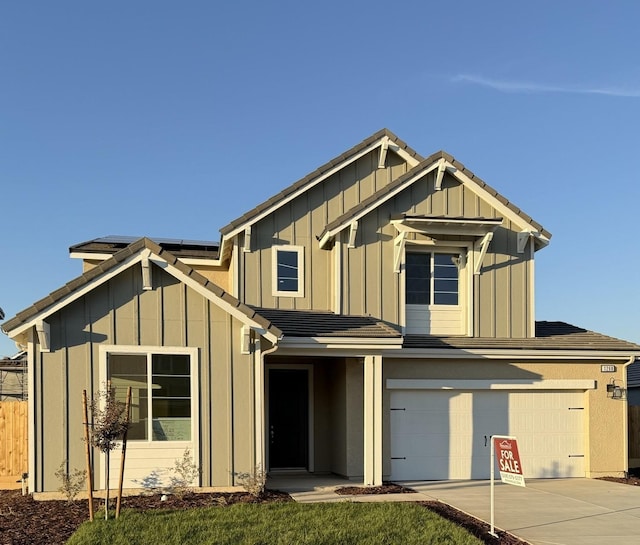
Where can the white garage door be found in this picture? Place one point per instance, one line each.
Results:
(439, 435)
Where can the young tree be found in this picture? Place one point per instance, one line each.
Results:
(110, 422)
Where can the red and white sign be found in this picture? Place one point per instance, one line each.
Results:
(509, 460)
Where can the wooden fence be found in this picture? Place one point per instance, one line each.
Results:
(13, 441)
(634, 431)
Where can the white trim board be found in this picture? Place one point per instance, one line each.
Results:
(488, 384)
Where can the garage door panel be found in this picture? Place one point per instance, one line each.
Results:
(444, 434)
(403, 422)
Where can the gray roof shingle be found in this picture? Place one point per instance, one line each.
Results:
(549, 336)
(307, 323)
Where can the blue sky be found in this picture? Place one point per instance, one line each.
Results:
(169, 119)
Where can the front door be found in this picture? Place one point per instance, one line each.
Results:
(288, 419)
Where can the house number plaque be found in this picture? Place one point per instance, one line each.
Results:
(607, 368)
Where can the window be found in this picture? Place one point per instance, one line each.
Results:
(161, 396)
(432, 279)
(288, 271)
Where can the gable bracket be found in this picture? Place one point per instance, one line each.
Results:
(245, 340)
(44, 336)
(353, 231)
(442, 167)
(247, 239)
(382, 158)
(523, 238)
(398, 250)
(483, 246)
(146, 272)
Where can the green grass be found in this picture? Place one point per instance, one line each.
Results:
(278, 524)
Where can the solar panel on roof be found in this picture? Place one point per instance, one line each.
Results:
(116, 239)
(122, 239)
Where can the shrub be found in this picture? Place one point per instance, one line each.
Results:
(71, 483)
(254, 482)
(185, 472)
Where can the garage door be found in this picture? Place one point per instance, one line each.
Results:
(439, 435)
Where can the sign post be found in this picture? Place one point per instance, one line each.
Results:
(505, 447)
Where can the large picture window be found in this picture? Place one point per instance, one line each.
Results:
(288, 271)
(432, 278)
(161, 396)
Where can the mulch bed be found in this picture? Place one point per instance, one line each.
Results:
(25, 521)
(386, 488)
(633, 477)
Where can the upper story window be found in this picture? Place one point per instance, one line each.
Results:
(288, 271)
(432, 278)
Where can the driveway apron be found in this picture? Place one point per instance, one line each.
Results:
(549, 511)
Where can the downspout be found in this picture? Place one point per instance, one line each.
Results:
(259, 387)
(33, 479)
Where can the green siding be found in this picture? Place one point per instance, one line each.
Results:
(119, 312)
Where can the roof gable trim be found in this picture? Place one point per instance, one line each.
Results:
(376, 200)
(320, 178)
(442, 162)
(126, 258)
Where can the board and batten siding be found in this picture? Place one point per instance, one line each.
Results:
(501, 293)
(298, 222)
(121, 313)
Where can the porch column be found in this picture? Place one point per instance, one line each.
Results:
(373, 420)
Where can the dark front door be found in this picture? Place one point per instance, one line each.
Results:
(288, 418)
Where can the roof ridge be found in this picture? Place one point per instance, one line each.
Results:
(305, 180)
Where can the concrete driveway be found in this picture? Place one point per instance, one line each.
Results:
(546, 512)
(549, 511)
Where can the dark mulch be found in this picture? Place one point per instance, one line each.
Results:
(386, 488)
(632, 478)
(24, 521)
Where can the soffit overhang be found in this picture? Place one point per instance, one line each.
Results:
(439, 225)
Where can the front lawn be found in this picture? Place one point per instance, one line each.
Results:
(342, 523)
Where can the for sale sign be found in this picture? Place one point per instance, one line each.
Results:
(509, 460)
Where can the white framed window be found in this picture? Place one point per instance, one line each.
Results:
(288, 271)
(432, 278)
(437, 291)
(163, 391)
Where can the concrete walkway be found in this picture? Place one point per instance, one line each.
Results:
(546, 512)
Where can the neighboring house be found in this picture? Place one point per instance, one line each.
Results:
(374, 320)
(13, 377)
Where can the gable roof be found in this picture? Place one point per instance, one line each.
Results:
(125, 258)
(458, 171)
(304, 184)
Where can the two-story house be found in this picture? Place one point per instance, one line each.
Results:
(373, 320)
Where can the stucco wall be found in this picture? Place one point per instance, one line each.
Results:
(604, 418)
